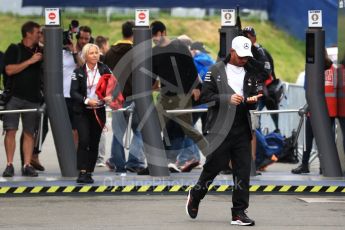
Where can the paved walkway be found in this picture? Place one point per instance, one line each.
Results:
(271, 212)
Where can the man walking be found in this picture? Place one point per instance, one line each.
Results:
(173, 66)
(231, 86)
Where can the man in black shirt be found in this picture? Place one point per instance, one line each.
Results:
(173, 66)
(25, 75)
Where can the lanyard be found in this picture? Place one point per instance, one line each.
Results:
(90, 85)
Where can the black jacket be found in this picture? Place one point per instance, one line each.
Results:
(216, 93)
(261, 62)
(174, 66)
(79, 85)
(123, 71)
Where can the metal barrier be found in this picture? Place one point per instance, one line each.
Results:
(301, 112)
(130, 110)
(288, 119)
(180, 111)
(40, 110)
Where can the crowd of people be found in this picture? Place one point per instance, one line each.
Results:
(183, 74)
(179, 66)
(185, 77)
(92, 58)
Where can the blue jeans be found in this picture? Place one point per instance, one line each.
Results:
(136, 158)
(189, 151)
(181, 150)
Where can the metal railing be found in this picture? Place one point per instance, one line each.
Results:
(254, 113)
(302, 112)
(40, 110)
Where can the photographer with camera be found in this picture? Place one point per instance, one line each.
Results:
(71, 59)
(83, 36)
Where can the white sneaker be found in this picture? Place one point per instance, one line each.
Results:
(100, 164)
(173, 168)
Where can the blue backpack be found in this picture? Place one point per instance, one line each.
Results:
(268, 145)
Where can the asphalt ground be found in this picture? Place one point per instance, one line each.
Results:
(168, 212)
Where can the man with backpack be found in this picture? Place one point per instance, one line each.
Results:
(25, 79)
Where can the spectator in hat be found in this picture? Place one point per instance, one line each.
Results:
(263, 61)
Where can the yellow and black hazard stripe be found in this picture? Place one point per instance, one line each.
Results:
(155, 189)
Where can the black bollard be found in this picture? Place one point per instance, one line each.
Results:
(341, 83)
(228, 31)
(315, 95)
(142, 88)
(56, 106)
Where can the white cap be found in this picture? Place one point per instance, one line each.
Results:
(242, 46)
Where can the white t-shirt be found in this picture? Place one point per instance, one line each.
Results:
(235, 77)
(93, 77)
(68, 68)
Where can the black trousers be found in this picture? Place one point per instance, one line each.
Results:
(89, 132)
(342, 127)
(309, 137)
(235, 147)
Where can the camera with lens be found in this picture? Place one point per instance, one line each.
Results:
(67, 36)
(259, 86)
(255, 87)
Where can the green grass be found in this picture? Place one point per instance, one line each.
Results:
(288, 53)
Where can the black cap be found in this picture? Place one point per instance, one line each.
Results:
(249, 30)
(198, 46)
